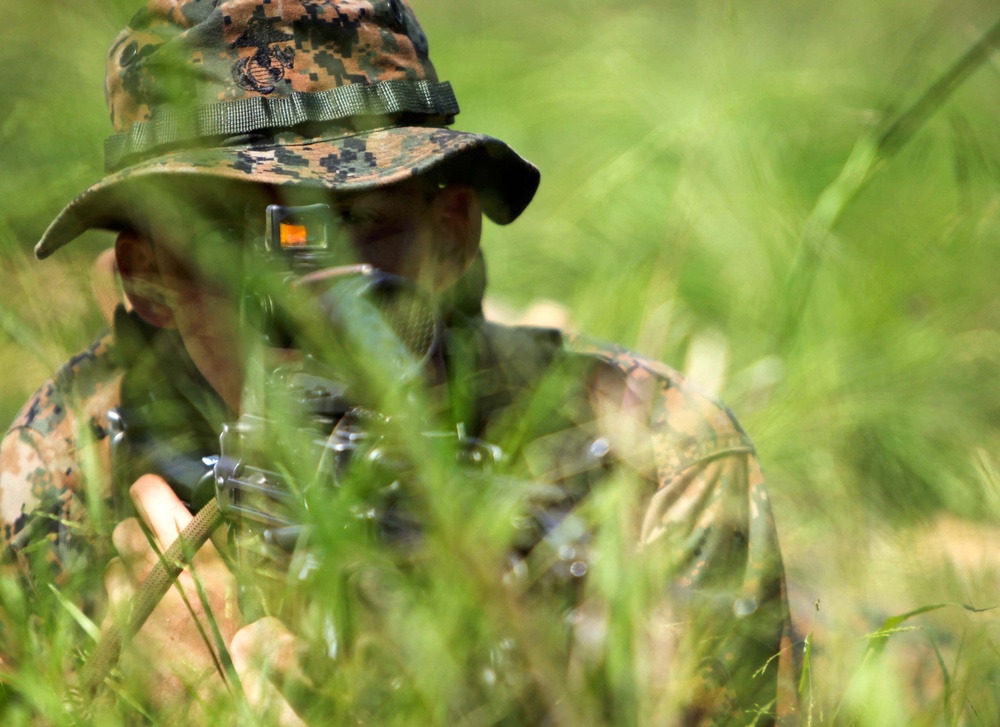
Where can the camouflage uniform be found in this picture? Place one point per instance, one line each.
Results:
(341, 94)
(706, 490)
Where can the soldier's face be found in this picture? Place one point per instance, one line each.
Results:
(178, 274)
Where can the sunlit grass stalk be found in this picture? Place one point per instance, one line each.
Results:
(874, 149)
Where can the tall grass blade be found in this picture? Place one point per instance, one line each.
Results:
(871, 151)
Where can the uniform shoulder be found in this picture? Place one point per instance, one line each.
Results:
(687, 425)
(86, 383)
(622, 359)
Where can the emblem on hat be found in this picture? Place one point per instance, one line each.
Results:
(266, 68)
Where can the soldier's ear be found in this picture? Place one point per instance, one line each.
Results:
(458, 222)
(141, 279)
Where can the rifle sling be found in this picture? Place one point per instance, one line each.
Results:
(150, 592)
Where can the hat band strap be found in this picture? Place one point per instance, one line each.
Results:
(169, 127)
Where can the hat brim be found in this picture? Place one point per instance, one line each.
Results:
(505, 182)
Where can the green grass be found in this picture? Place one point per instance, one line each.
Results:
(699, 203)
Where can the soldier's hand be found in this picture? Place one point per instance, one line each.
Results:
(175, 656)
(265, 656)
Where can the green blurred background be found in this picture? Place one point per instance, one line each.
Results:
(684, 148)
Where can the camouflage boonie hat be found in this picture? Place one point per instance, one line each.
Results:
(339, 94)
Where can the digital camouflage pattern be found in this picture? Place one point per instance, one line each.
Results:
(334, 93)
(224, 51)
(710, 497)
(706, 501)
(59, 437)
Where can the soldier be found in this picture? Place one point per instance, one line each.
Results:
(229, 115)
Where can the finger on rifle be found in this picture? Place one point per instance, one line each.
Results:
(264, 654)
(164, 514)
(132, 544)
(267, 645)
(119, 587)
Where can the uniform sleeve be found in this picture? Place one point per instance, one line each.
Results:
(47, 535)
(706, 533)
(34, 501)
(711, 510)
(36, 478)
(728, 591)
(54, 458)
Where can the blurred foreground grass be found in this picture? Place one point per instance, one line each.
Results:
(684, 147)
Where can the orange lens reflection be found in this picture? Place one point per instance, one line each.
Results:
(293, 235)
